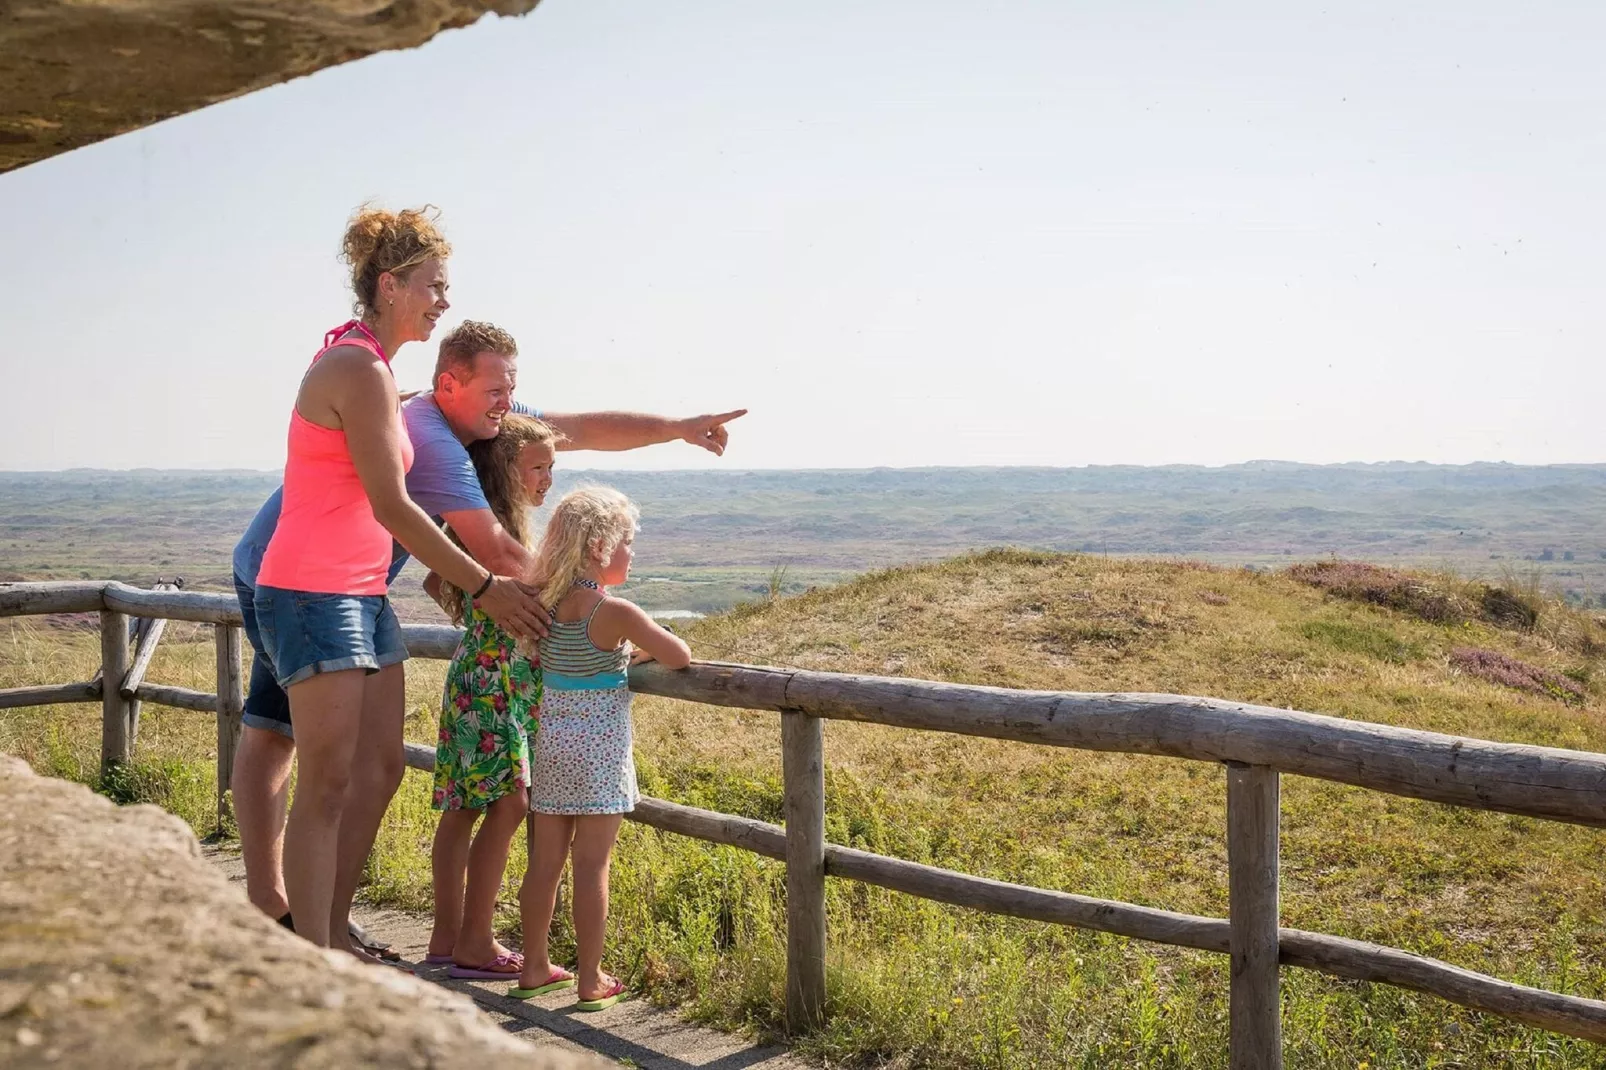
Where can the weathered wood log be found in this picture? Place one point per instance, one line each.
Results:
(133, 633)
(180, 698)
(230, 706)
(72, 596)
(1548, 782)
(146, 638)
(1336, 955)
(418, 756)
(147, 633)
(1357, 960)
(205, 607)
(48, 695)
(944, 885)
(760, 837)
(431, 640)
(1254, 1011)
(1021, 901)
(116, 727)
(803, 802)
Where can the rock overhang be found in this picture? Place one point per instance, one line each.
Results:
(73, 72)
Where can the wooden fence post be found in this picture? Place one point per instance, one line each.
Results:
(116, 722)
(1255, 1037)
(230, 705)
(803, 772)
(146, 636)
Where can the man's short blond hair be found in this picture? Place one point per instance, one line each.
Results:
(465, 342)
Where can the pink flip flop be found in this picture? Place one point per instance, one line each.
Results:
(437, 960)
(498, 969)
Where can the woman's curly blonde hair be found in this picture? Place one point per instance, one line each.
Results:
(496, 463)
(588, 524)
(378, 241)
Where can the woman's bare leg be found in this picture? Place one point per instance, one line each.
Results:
(448, 861)
(594, 836)
(375, 775)
(487, 865)
(328, 711)
(549, 839)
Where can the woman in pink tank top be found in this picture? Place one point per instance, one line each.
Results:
(320, 602)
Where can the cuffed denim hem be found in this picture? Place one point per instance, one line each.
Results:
(365, 662)
(268, 724)
(393, 657)
(308, 632)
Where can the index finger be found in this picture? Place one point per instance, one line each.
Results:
(727, 417)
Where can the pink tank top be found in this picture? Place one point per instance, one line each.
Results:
(327, 540)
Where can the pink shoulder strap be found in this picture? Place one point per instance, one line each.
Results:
(362, 336)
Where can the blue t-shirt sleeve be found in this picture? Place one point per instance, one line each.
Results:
(398, 561)
(248, 551)
(520, 407)
(442, 478)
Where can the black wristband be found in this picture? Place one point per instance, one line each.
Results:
(486, 586)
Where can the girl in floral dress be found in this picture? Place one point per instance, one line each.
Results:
(488, 719)
(583, 773)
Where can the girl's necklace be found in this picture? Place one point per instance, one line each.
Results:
(590, 585)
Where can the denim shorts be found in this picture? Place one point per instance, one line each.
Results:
(266, 705)
(306, 633)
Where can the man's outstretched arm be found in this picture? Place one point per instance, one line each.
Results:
(615, 431)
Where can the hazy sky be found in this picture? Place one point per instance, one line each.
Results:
(901, 233)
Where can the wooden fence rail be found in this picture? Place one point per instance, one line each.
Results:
(1255, 743)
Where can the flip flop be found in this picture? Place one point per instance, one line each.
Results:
(437, 960)
(559, 980)
(613, 995)
(373, 947)
(362, 955)
(513, 964)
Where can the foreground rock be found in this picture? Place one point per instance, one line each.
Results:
(74, 73)
(120, 947)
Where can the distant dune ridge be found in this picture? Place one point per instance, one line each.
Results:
(732, 531)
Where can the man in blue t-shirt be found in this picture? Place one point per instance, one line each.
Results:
(475, 377)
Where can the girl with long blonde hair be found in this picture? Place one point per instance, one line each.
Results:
(488, 718)
(583, 776)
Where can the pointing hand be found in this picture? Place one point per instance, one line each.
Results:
(709, 431)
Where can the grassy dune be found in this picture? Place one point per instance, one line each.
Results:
(915, 984)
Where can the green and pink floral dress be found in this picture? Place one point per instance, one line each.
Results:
(489, 715)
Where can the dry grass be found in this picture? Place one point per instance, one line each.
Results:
(914, 984)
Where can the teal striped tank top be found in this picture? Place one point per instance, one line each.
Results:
(571, 661)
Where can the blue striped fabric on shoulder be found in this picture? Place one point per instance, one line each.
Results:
(568, 651)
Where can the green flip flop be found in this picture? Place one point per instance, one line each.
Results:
(604, 1001)
(559, 980)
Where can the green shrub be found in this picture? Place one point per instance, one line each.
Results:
(1352, 638)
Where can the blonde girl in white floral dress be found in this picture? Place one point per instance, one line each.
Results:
(582, 774)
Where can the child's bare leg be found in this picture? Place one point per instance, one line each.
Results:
(448, 859)
(594, 836)
(487, 864)
(549, 839)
